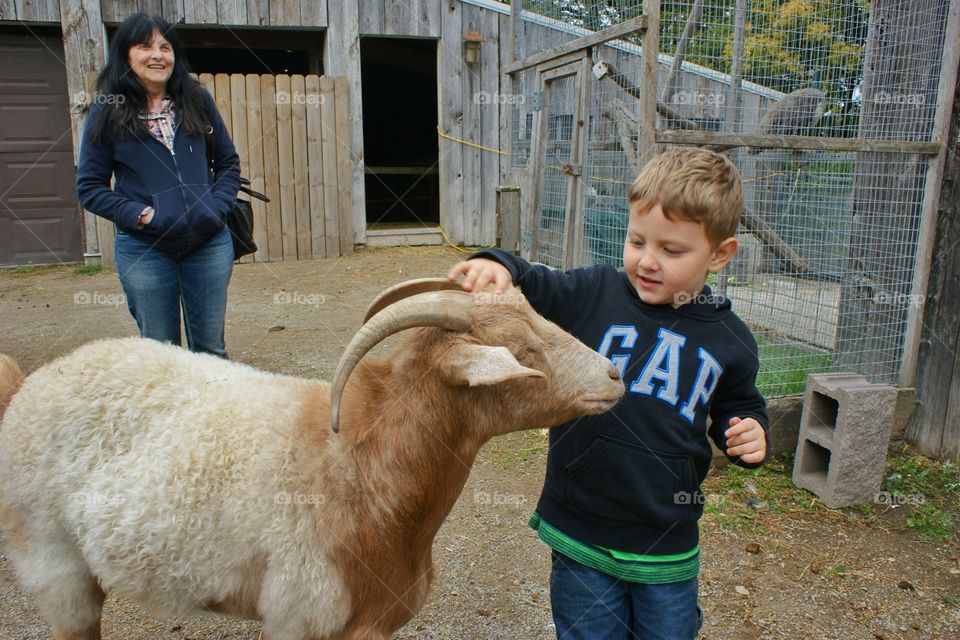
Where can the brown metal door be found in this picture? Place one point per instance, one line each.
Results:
(40, 221)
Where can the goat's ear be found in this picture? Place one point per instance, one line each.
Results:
(475, 365)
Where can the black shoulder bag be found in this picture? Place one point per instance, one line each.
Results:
(240, 216)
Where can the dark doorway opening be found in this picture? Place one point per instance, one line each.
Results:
(399, 88)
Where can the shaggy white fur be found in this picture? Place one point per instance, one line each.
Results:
(167, 483)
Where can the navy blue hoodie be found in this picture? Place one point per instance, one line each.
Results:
(190, 204)
(630, 479)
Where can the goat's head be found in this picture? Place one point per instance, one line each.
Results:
(489, 340)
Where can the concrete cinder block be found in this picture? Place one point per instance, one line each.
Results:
(844, 431)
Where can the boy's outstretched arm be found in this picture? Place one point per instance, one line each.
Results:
(479, 272)
(746, 440)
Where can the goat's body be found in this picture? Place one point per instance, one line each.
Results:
(178, 503)
(187, 483)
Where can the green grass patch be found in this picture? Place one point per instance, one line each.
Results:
(784, 368)
(91, 269)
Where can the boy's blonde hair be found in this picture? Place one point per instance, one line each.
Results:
(692, 184)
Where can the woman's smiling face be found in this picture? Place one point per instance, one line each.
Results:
(152, 62)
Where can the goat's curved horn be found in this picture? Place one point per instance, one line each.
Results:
(406, 289)
(445, 309)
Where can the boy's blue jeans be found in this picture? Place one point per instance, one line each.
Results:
(590, 605)
(158, 284)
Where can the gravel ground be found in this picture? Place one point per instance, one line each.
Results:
(810, 574)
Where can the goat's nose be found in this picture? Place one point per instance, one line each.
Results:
(613, 372)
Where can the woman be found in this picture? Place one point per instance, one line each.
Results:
(173, 250)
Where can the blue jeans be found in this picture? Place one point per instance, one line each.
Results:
(158, 285)
(590, 605)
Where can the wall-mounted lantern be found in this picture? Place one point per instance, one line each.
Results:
(471, 47)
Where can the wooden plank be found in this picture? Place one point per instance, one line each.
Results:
(173, 11)
(796, 142)
(200, 11)
(486, 217)
(8, 10)
(451, 99)
(285, 13)
(271, 167)
(258, 12)
(472, 162)
(315, 169)
(508, 86)
(398, 17)
(287, 193)
(632, 25)
(222, 97)
(301, 167)
(344, 165)
(371, 17)
(255, 164)
(208, 82)
(328, 147)
(231, 12)
(83, 55)
(151, 7)
(431, 18)
(647, 134)
(342, 58)
(116, 11)
(238, 116)
(313, 13)
(39, 11)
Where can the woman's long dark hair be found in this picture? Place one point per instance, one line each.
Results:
(123, 97)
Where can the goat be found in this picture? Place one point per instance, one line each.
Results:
(187, 483)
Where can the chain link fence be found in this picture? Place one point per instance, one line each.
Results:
(791, 91)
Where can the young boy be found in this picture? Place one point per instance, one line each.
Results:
(621, 498)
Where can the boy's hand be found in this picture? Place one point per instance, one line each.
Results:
(746, 440)
(480, 272)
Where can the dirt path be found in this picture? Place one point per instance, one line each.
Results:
(805, 574)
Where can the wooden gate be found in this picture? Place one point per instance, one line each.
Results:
(292, 134)
(558, 149)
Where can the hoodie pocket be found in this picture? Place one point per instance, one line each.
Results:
(169, 214)
(622, 481)
(202, 208)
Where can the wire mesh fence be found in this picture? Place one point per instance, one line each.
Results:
(829, 237)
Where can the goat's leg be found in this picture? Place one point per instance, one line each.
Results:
(51, 567)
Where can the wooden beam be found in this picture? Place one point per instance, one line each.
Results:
(730, 140)
(634, 25)
(646, 141)
(931, 194)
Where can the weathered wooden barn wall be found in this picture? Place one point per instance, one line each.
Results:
(475, 101)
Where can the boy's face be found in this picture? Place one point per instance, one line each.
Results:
(667, 261)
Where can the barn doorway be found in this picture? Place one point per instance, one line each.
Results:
(399, 88)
